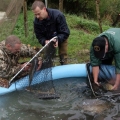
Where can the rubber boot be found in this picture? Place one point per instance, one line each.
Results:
(63, 61)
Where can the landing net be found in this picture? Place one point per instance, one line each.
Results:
(41, 82)
(45, 89)
(9, 11)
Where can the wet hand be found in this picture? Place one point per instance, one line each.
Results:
(46, 42)
(55, 42)
(97, 83)
(115, 87)
(26, 68)
(39, 65)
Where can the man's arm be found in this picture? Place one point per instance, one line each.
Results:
(63, 30)
(27, 51)
(6, 70)
(117, 70)
(95, 65)
(39, 35)
(117, 82)
(95, 71)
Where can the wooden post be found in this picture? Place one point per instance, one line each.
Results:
(25, 17)
(98, 14)
(61, 5)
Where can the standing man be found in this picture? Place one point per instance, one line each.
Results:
(49, 23)
(104, 49)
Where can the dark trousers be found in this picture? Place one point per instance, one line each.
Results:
(62, 51)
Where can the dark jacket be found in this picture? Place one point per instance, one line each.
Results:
(113, 36)
(54, 25)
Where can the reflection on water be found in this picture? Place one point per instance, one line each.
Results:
(73, 104)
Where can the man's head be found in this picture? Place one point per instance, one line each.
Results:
(39, 10)
(13, 44)
(99, 47)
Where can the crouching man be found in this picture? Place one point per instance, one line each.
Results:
(10, 52)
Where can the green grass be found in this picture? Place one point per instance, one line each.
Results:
(83, 31)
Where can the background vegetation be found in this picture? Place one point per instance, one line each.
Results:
(109, 9)
(81, 16)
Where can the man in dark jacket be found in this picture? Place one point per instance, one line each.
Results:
(49, 23)
(104, 49)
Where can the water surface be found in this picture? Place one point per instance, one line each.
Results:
(73, 104)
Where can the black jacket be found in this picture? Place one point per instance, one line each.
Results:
(54, 25)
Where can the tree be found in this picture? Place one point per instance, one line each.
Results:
(98, 14)
(25, 17)
(61, 5)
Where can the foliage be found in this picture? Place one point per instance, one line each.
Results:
(20, 32)
(109, 9)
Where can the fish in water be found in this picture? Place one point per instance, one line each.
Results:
(107, 86)
(51, 91)
(51, 94)
(92, 106)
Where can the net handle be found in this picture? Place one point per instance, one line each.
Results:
(31, 59)
(46, 3)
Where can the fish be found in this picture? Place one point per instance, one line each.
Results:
(107, 86)
(52, 91)
(92, 106)
(51, 94)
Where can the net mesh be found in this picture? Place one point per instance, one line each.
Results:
(9, 11)
(41, 83)
(48, 55)
(106, 80)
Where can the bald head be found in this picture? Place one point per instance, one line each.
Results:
(13, 44)
(12, 40)
(39, 4)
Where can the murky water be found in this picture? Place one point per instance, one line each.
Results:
(73, 104)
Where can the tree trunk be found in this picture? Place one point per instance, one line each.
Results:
(98, 14)
(116, 21)
(61, 5)
(25, 17)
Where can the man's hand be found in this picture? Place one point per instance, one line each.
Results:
(96, 82)
(27, 68)
(39, 65)
(117, 82)
(46, 42)
(55, 42)
(115, 87)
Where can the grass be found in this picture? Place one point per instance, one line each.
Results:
(83, 31)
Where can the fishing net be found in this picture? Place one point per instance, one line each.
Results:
(45, 89)
(9, 11)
